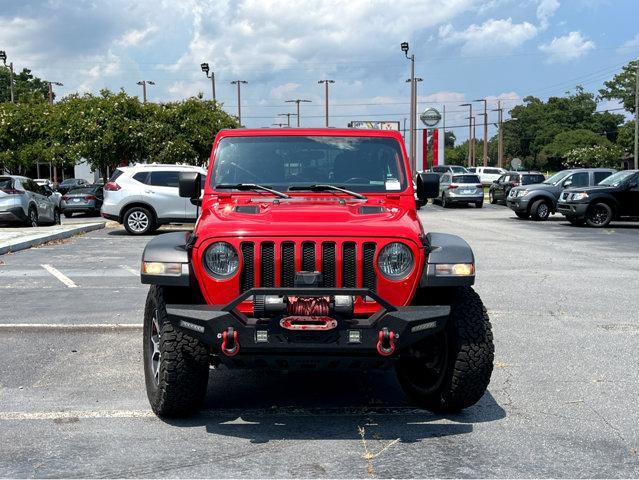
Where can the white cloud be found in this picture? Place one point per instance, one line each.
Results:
(567, 48)
(135, 37)
(443, 97)
(104, 67)
(284, 90)
(492, 35)
(545, 10)
(630, 46)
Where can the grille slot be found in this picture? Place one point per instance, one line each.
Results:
(328, 264)
(308, 256)
(247, 276)
(288, 264)
(349, 265)
(369, 279)
(267, 264)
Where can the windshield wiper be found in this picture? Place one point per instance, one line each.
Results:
(318, 187)
(250, 186)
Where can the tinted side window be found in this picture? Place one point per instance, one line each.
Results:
(164, 179)
(142, 177)
(580, 179)
(492, 171)
(599, 176)
(530, 179)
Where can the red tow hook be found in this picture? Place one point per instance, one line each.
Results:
(230, 345)
(385, 342)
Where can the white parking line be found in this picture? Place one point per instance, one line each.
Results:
(59, 275)
(130, 270)
(76, 415)
(94, 327)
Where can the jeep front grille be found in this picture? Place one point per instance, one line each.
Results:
(343, 264)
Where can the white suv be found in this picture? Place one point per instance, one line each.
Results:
(487, 175)
(145, 196)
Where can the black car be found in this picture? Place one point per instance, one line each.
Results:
(82, 200)
(71, 183)
(500, 188)
(614, 198)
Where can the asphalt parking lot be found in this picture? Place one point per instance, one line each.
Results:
(562, 401)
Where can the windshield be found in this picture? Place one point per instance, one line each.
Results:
(457, 169)
(466, 179)
(359, 164)
(69, 181)
(74, 191)
(557, 177)
(616, 178)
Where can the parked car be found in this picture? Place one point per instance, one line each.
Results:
(143, 197)
(614, 198)
(487, 175)
(52, 194)
(500, 188)
(320, 274)
(441, 169)
(82, 200)
(538, 201)
(24, 201)
(464, 188)
(71, 183)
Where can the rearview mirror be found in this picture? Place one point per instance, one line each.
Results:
(190, 186)
(427, 186)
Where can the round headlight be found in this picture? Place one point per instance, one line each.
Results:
(221, 260)
(395, 261)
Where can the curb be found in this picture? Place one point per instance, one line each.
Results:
(44, 238)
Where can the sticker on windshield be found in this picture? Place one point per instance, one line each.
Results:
(393, 184)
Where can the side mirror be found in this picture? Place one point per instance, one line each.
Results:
(190, 186)
(427, 186)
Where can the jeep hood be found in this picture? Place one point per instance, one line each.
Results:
(309, 217)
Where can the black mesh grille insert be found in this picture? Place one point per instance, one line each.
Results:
(267, 266)
(247, 276)
(328, 264)
(288, 264)
(349, 266)
(308, 256)
(369, 279)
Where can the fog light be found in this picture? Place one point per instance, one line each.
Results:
(455, 269)
(354, 336)
(261, 336)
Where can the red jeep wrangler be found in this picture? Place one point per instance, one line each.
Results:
(309, 253)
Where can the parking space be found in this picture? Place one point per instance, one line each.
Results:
(562, 400)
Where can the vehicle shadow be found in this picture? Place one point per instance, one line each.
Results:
(121, 232)
(261, 407)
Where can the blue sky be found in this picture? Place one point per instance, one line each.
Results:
(465, 49)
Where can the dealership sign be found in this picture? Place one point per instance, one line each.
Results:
(430, 117)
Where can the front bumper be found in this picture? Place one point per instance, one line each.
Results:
(266, 337)
(572, 210)
(517, 204)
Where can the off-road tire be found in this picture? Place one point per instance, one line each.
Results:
(144, 213)
(595, 221)
(523, 215)
(577, 222)
(540, 210)
(491, 198)
(470, 355)
(183, 364)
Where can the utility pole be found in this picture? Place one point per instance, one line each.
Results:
(637, 117)
(326, 82)
(413, 108)
(297, 101)
(288, 117)
(485, 114)
(144, 83)
(51, 90)
(470, 131)
(279, 125)
(414, 133)
(3, 57)
(500, 142)
(474, 122)
(239, 99)
(205, 68)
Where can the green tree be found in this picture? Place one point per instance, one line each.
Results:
(622, 87)
(27, 87)
(595, 156)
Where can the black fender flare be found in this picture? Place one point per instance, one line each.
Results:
(171, 247)
(445, 248)
(543, 195)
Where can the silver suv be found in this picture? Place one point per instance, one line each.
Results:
(143, 197)
(24, 201)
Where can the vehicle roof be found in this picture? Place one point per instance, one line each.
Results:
(292, 132)
(523, 172)
(159, 166)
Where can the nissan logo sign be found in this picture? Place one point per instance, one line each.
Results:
(430, 117)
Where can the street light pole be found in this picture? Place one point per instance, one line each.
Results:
(205, 68)
(326, 82)
(3, 57)
(297, 101)
(485, 114)
(413, 108)
(470, 131)
(288, 117)
(239, 99)
(144, 83)
(51, 90)
(500, 142)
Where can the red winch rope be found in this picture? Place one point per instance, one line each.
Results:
(308, 306)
